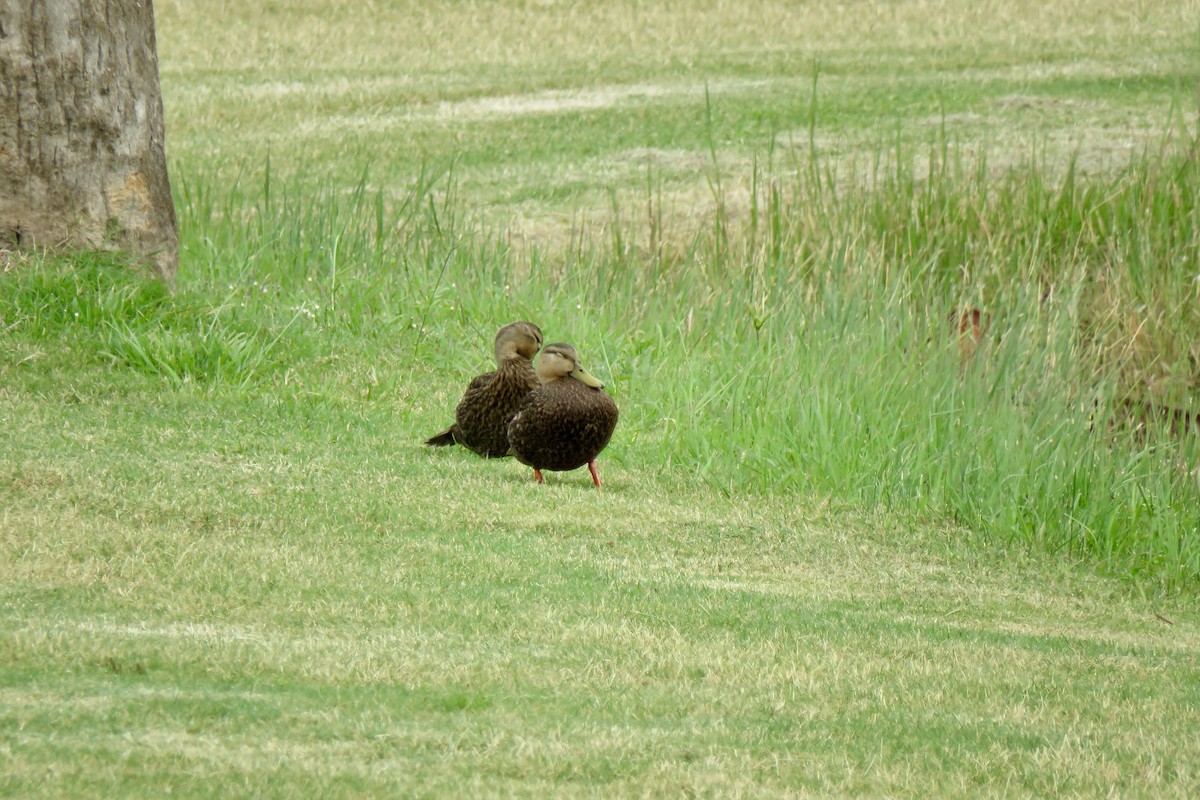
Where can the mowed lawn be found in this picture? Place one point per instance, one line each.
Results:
(544, 111)
(248, 596)
(229, 567)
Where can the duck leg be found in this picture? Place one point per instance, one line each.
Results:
(595, 475)
(537, 475)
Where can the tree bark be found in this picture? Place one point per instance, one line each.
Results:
(82, 155)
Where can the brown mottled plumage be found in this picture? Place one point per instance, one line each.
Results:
(567, 421)
(481, 419)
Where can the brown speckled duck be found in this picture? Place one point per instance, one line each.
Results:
(567, 421)
(491, 399)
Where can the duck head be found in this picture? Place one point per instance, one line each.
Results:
(518, 340)
(560, 361)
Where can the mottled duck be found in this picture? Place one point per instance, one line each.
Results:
(565, 422)
(491, 399)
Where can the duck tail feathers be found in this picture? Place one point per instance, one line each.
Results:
(443, 439)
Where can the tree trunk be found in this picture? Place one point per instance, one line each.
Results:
(82, 159)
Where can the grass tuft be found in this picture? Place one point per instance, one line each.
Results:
(110, 313)
(813, 345)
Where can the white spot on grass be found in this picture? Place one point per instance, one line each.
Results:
(548, 102)
(552, 101)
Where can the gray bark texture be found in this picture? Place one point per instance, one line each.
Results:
(82, 157)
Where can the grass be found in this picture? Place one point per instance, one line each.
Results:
(840, 549)
(545, 108)
(272, 634)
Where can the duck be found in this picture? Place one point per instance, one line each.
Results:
(565, 422)
(491, 399)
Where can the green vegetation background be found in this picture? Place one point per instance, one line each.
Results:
(841, 548)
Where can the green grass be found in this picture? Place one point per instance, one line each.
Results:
(532, 100)
(833, 555)
(444, 625)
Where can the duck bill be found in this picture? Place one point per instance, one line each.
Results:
(586, 378)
